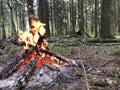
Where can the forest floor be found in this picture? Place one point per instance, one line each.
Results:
(101, 62)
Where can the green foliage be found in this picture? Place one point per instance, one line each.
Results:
(65, 45)
(117, 37)
(1, 20)
(90, 75)
(117, 75)
(10, 48)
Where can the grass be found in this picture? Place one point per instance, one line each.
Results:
(9, 49)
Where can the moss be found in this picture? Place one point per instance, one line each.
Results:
(10, 48)
(117, 75)
(116, 53)
(90, 75)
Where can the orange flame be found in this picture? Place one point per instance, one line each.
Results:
(31, 38)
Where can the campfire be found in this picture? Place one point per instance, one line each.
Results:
(36, 38)
(36, 55)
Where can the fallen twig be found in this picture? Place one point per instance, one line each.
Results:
(105, 63)
(83, 70)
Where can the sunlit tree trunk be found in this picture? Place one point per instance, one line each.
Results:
(51, 17)
(35, 8)
(77, 16)
(26, 18)
(3, 23)
(68, 17)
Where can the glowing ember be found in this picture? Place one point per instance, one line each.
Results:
(35, 37)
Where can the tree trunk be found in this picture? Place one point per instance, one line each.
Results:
(30, 10)
(77, 16)
(105, 19)
(3, 23)
(68, 17)
(82, 18)
(26, 18)
(73, 16)
(44, 14)
(96, 18)
(81, 31)
(92, 19)
(119, 16)
(10, 4)
(35, 8)
(51, 17)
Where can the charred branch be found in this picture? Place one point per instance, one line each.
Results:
(25, 73)
(51, 67)
(11, 67)
(58, 56)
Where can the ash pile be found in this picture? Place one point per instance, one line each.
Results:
(45, 78)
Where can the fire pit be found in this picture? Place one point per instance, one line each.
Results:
(37, 66)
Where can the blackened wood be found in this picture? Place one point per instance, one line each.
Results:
(25, 73)
(60, 57)
(8, 70)
(51, 67)
(11, 67)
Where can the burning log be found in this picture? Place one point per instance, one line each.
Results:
(25, 74)
(12, 66)
(60, 57)
(37, 54)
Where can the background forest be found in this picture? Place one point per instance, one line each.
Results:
(91, 18)
(86, 31)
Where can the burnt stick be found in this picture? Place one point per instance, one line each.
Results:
(53, 68)
(11, 67)
(25, 74)
(60, 57)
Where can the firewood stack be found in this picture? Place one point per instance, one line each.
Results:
(36, 54)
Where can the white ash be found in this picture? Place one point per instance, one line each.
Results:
(39, 78)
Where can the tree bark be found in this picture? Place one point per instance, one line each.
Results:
(105, 19)
(81, 31)
(44, 14)
(3, 22)
(26, 18)
(119, 16)
(96, 18)
(10, 4)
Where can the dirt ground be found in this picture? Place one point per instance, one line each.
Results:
(101, 63)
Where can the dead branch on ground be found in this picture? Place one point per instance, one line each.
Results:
(83, 70)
